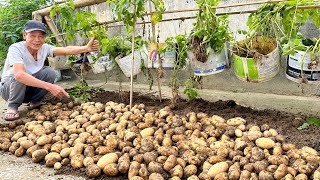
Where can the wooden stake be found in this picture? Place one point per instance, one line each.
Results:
(53, 28)
(77, 4)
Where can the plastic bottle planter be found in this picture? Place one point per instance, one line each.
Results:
(257, 70)
(59, 62)
(102, 64)
(125, 62)
(216, 63)
(168, 58)
(301, 64)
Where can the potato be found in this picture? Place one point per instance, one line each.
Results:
(155, 167)
(218, 168)
(170, 163)
(245, 175)
(177, 171)
(236, 121)
(88, 161)
(95, 117)
(260, 165)
(133, 169)
(93, 171)
(39, 155)
(77, 161)
(265, 143)
(124, 163)
(221, 176)
(57, 166)
(111, 169)
(147, 132)
(155, 176)
(102, 150)
(107, 159)
(234, 171)
(301, 177)
(43, 140)
(143, 171)
(39, 130)
(26, 144)
(16, 136)
(190, 170)
(5, 145)
(52, 158)
(281, 171)
(19, 152)
(265, 175)
(65, 152)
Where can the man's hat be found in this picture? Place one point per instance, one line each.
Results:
(35, 25)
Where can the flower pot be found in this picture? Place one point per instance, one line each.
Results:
(301, 63)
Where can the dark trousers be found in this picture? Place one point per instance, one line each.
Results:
(16, 93)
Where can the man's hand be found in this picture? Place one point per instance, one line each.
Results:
(57, 91)
(93, 45)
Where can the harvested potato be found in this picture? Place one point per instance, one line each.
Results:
(111, 169)
(39, 155)
(107, 159)
(93, 170)
(218, 168)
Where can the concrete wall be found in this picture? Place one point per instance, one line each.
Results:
(225, 80)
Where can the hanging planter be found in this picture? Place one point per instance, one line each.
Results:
(256, 59)
(208, 40)
(215, 63)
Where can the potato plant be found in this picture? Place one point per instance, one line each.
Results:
(113, 139)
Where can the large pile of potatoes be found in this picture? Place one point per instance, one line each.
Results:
(112, 139)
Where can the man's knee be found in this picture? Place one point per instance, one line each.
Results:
(48, 74)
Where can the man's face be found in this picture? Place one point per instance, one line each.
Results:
(34, 39)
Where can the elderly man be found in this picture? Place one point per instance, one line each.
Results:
(25, 78)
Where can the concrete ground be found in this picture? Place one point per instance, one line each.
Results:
(22, 168)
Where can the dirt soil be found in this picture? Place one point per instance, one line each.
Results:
(285, 123)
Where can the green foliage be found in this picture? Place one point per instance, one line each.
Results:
(310, 121)
(72, 22)
(13, 16)
(211, 29)
(283, 21)
(82, 92)
(180, 44)
(120, 46)
(129, 10)
(190, 88)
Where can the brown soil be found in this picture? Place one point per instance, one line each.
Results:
(198, 49)
(255, 47)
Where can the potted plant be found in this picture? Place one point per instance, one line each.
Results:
(257, 57)
(208, 39)
(303, 53)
